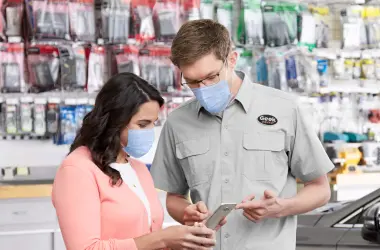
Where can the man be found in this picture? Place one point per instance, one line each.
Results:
(237, 142)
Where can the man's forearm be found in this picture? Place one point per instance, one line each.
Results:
(312, 196)
(176, 205)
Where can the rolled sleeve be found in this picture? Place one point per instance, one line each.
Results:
(308, 158)
(166, 171)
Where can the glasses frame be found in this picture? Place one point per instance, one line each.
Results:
(201, 81)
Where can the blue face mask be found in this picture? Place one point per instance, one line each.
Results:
(140, 141)
(214, 98)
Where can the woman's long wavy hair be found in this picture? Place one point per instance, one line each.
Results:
(115, 105)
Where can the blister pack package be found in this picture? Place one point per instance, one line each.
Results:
(12, 67)
(166, 72)
(259, 66)
(276, 69)
(52, 115)
(97, 68)
(322, 19)
(307, 31)
(253, 20)
(207, 9)
(26, 115)
(126, 59)
(190, 10)
(50, 19)
(372, 25)
(11, 116)
(73, 68)
(2, 23)
(67, 124)
(353, 29)
(39, 113)
(43, 67)
(12, 11)
(166, 19)
(82, 20)
(148, 65)
(275, 28)
(142, 12)
(116, 16)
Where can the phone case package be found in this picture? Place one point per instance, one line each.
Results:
(12, 16)
(166, 19)
(142, 12)
(43, 67)
(50, 19)
(12, 68)
(125, 59)
(82, 20)
(115, 16)
(97, 68)
(73, 68)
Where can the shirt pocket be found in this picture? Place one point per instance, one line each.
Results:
(264, 155)
(194, 157)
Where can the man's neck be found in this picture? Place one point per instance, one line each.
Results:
(236, 84)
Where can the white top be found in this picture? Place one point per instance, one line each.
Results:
(129, 176)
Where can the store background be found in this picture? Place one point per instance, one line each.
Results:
(56, 54)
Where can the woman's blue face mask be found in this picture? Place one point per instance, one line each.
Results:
(140, 141)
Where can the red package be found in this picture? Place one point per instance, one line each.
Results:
(97, 68)
(142, 19)
(82, 20)
(166, 19)
(43, 67)
(12, 67)
(190, 10)
(125, 59)
(50, 19)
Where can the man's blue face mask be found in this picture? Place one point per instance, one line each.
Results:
(214, 98)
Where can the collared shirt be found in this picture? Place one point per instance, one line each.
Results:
(262, 141)
(129, 176)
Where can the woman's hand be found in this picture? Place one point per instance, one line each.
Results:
(196, 237)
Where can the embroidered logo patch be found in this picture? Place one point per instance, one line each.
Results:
(267, 119)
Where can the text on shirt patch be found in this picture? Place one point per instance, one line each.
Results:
(267, 119)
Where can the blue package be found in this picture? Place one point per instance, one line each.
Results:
(80, 112)
(322, 67)
(68, 129)
(291, 68)
(261, 70)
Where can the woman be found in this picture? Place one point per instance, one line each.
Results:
(105, 199)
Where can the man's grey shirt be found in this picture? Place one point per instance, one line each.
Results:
(222, 159)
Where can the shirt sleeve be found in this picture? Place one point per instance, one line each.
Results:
(308, 158)
(77, 203)
(166, 171)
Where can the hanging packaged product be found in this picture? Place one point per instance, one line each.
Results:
(12, 13)
(371, 17)
(80, 112)
(289, 15)
(52, 115)
(207, 9)
(259, 68)
(276, 31)
(11, 116)
(377, 68)
(73, 68)
(276, 69)
(190, 10)
(12, 68)
(43, 67)
(322, 18)
(245, 64)
(116, 16)
(166, 72)
(82, 20)
(50, 19)
(291, 71)
(368, 69)
(307, 30)
(348, 68)
(125, 59)
(26, 115)
(67, 124)
(2, 105)
(357, 70)
(2, 23)
(253, 20)
(39, 114)
(97, 68)
(166, 20)
(352, 25)
(148, 65)
(143, 19)
(323, 71)
(224, 15)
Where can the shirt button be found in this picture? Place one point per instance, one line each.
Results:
(226, 235)
(226, 180)
(226, 153)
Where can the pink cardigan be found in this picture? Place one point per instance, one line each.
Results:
(93, 215)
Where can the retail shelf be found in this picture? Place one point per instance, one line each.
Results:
(352, 86)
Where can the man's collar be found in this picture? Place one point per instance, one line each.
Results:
(244, 95)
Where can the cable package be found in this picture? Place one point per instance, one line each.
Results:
(115, 19)
(82, 20)
(12, 70)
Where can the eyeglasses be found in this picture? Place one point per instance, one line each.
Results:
(208, 81)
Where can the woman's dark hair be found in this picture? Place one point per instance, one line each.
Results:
(115, 105)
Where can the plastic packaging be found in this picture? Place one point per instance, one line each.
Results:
(190, 10)
(253, 20)
(50, 19)
(11, 114)
(368, 69)
(143, 20)
(323, 70)
(67, 125)
(26, 115)
(377, 68)
(357, 70)
(307, 35)
(97, 68)
(12, 67)
(116, 16)
(291, 71)
(321, 15)
(166, 71)
(372, 25)
(126, 59)
(43, 67)
(275, 28)
(259, 69)
(52, 116)
(224, 15)
(39, 113)
(2, 23)
(352, 25)
(148, 65)
(166, 19)
(276, 69)
(12, 17)
(245, 64)
(82, 20)
(73, 68)
(207, 9)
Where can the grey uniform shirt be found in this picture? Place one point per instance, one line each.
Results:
(225, 158)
